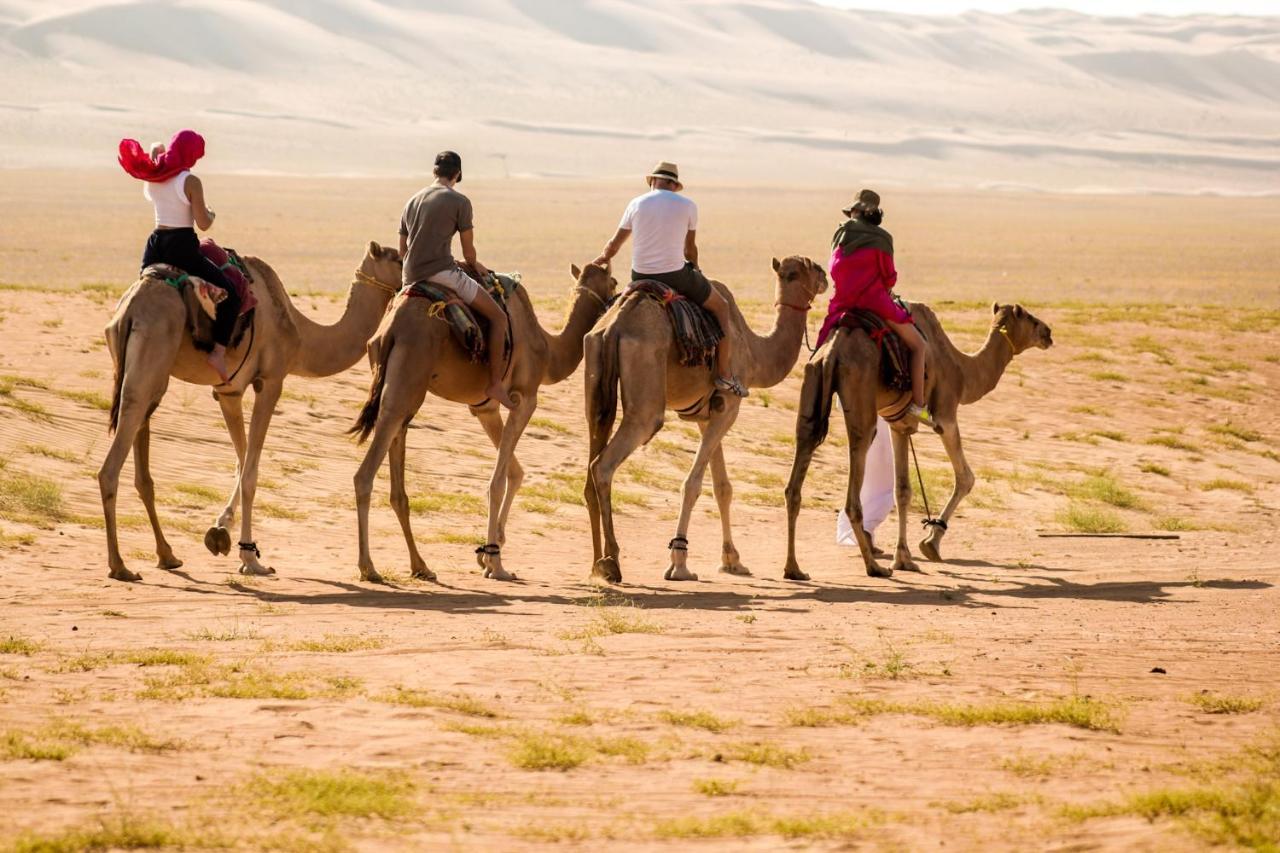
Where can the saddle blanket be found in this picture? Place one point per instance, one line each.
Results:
(469, 330)
(895, 360)
(696, 331)
(233, 269)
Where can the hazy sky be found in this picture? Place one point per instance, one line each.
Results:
(1093, 7)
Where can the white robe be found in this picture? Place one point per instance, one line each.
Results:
(877, 488)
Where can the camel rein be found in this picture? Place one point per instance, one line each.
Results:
(364, 278)
(577, 288)
(929, 520)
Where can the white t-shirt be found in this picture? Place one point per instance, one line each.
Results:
(173, 208)
(659, 221)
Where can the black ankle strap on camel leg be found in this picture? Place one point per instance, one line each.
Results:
(251, 546)
(935, 522)
(490, 550)
(679, 543)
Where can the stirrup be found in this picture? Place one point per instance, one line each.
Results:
(731, 385)
(251, 546)
(679, 543)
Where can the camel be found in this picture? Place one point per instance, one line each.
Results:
(848, 364)
(150, 340)
(634, 346)
(414, 353)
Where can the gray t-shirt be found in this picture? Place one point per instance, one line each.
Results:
(429, 221)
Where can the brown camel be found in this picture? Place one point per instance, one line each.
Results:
(635, 347)
(848, 364)
(414, 353)
(150, 340)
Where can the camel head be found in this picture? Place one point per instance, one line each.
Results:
(595, 279)
(800, 280)
(1022, 328)
(382, 263)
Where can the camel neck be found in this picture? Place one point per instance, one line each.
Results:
(775, 353)
(564, 350)
(326, 350)
(981, 371)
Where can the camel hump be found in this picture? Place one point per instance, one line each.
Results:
(696, 331)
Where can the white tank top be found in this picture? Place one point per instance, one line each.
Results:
(173, 208)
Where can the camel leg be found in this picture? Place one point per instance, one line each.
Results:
(731, 561)
(147, 491)
(860, 425)
(218, 538)
(491, 419)
(931, 544)
(264, 405)
(511, 432)
(599, 429)
(635, 430)
(806, 445)
(902, 499)
(712, 433)
(400, 503)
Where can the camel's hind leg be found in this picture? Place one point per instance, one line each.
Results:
(931, 544)
(400, 503)
(712, 433)
(491, 419)
(511, 432)
(860, 424)
(731, 561)
(218, 538)
(264, 405)
(599, 429)
(902, 498)
(806, 445)
(147, 491)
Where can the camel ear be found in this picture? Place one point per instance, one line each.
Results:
(995, 307)
(776, 266)
(577, 273)
(374, 248)
(1018, 311)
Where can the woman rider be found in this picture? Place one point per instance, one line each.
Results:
(178, 198)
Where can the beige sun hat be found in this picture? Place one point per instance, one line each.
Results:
(867, 200)
(666, 171)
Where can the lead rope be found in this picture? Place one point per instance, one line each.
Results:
(928, 516)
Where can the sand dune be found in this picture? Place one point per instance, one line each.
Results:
(738, 89)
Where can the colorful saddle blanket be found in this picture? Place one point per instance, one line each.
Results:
(696, 331)
(235, 271)
(470, 331)
(895, 358)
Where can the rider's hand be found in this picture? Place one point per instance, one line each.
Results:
(601, 261)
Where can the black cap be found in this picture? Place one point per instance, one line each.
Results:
(449, 163)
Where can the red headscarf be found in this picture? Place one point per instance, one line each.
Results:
(184, 150)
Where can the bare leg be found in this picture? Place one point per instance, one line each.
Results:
(931, 544)
(712, 433)
(723, 488)
(147, 491)
(400, 503)
(511, 432)
(264, 405)
(902, 498)
(719, 308)
(218, 538)
(919, 353)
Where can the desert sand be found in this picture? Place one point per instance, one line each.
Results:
(1028, 692)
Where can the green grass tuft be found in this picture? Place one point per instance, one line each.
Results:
(765, 755)
(14, 645)
(716, 787)
(331, 793)
(337, 644)
(1215, 704)
(30, 499)
(1153, 468)
(844, 826)
(458, 703)
(698, 720)
(1174, 442)
(1233, 431)
(1221, 483)
(1085, 518)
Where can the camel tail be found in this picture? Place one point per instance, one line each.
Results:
(605, 389)
(816, 395)
(379, 353)
(118, 344)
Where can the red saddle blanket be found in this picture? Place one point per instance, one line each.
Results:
(236, 273)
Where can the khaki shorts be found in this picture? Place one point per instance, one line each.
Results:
(687, 281)
(459, 282)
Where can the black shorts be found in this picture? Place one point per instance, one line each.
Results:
(686, 281)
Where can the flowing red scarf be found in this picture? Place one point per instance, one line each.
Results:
(184, 150)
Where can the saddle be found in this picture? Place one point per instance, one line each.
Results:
(206, 295)
(695, 328)
(895, 358)
(469, 330)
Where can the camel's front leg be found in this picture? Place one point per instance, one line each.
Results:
(491, 420)
(264, 405)
(861, 428)
(218, 538)
(712, 433)
(491, 554)
(931, 544)
(902, 500)
(147, 491)
(731, 561)
(400, 503)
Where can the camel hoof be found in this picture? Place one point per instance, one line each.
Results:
(500, 575)
(878, 571)
(679, 573)
(370, 575)
(739, 570)
(256, 571)
(930, 550)
(123, 574)
(905, 564)
(423, 574)
(218, 541)
(607, 570)
(793, 573)
(170, 563)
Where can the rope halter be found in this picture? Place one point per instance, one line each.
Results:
(364, 278)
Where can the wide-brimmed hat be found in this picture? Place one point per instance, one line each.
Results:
(867, 200)
(666, 171)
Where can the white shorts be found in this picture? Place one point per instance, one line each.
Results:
(462, 284)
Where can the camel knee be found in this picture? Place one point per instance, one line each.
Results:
(964, 482)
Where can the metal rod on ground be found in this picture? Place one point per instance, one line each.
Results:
(1108, 536)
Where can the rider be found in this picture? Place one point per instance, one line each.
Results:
(427, 226)
(178, 197)
(665, 250)
(863, 272)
